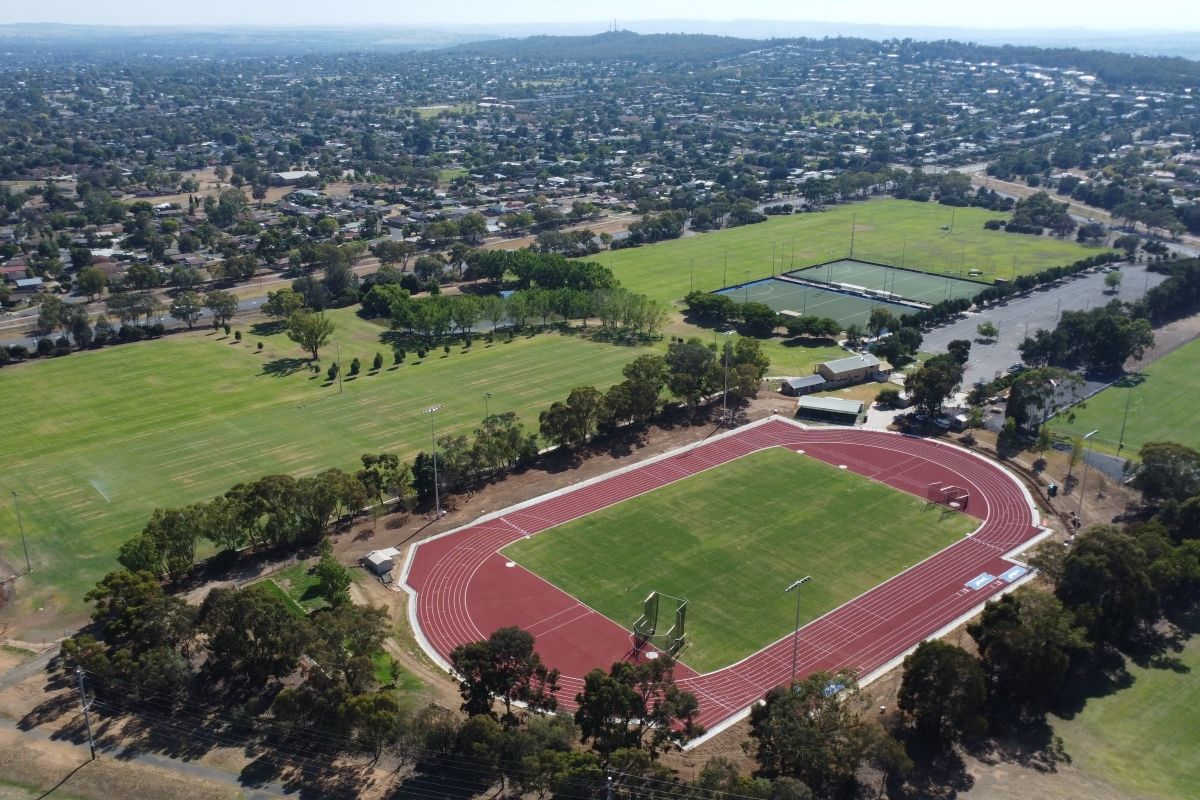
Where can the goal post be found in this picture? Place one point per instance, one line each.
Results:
(949, 495)
(659, 610)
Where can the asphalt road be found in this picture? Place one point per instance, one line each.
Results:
(1022, 316)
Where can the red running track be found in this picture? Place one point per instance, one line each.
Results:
(464, 588)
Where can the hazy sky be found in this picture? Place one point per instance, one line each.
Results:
(1170, 15)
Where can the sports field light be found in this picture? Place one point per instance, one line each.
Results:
(437, 497)
(1083, 482)
(796, 632)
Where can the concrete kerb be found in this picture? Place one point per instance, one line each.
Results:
(733, 719)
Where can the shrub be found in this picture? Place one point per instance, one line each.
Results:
(333, 371)
(227, 329)
(446, 349)
(237, 335)
(398, 355)
(355, 366)
(18, 352)
(377, 363)
(887, 397)
(260, 345)
(45, 347)
(421, 351)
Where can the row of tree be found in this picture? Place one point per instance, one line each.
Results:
(691, 372)
(1102, 339)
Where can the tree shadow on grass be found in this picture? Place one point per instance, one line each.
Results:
(268, 328)
(1105, 675)
(937, 773)
(282, 367)
(1029, 743)
(809, 342)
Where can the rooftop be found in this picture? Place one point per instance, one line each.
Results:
(851, 362)
(835, 404)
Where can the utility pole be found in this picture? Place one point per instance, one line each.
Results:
(796, 631)
(87, 718)
(853, 214)
(486, 396)
(21, 527)
(691, 275)
(725, 271)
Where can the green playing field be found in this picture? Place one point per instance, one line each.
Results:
(731, 539)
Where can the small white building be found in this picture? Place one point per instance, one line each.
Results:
(381, 562)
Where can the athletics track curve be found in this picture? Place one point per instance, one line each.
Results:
(463, 589)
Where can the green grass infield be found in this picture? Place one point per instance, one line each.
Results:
(731, 539)
(1161, 401)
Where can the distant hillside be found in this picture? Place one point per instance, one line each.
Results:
(618, 46)
(1170, 72)
(225, 41)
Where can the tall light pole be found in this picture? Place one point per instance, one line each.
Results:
(486, 396)
(725, 394)
(746, 283)
(437, 496)
(21, 527)
(1083, 481)
(691, 275)
(1124, 419)
(796, 631)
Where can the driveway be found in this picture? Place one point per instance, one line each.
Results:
(1022, 316)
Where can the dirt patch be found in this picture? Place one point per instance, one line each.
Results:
(1168, 338)
(38, 768)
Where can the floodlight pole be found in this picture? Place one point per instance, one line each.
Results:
(21, 528)
(486, 396)
(691, 275)
(437, 497)
(852, 217)
(1083, 480)
(1124, 419)
(796, 631)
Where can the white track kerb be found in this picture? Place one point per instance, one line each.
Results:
(1010, 556)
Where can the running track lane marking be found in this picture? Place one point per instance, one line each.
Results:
(867, 632)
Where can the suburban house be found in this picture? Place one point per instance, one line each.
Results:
(834, 410)
(857, 368)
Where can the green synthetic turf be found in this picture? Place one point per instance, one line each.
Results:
(1143, 739)
(731, 539)
(96, 440)
(1162, 407)
(885, 230)
(781, 295)
(924, 287)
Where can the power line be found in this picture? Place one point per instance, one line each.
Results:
(183, 731)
